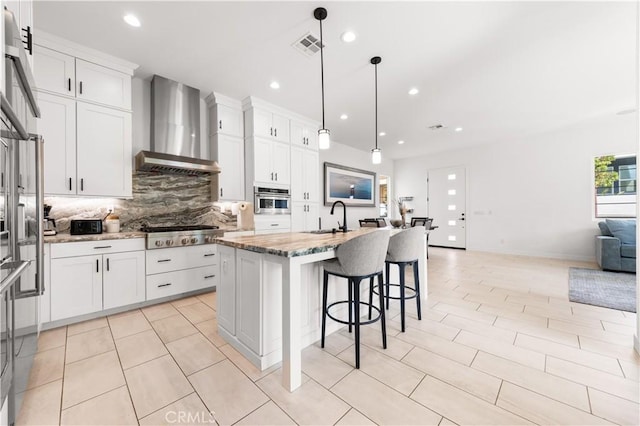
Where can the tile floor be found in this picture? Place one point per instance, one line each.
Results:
(499, 343)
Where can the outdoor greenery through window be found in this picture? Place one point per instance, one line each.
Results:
(615, 182)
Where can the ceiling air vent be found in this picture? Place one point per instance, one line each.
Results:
(437, 127)
(308, 44)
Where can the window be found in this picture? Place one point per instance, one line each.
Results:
(615, 184)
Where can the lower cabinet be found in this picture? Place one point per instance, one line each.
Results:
(226, 290)
(304, 217)
(82, 283)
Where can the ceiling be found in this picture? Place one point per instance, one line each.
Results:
(499, 70)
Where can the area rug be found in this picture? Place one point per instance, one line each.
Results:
(616, 290)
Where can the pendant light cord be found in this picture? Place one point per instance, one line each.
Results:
(376, 103)
(322, 72)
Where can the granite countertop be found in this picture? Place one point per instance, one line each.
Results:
(68, 238)
(292, 244)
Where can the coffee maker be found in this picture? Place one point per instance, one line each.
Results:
(49, 223)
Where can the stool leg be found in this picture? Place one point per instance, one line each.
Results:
(403, 267)
(370, 296)
(427, 248)
(350, 304)
(382, 316)
(387, 268)
(325, 281)
(356, 305)
(416, 278)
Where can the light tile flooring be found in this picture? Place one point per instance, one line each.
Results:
(499, 343)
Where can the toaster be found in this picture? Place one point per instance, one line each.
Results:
(86, 226)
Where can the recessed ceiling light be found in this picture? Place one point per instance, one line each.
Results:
(344, 117)
(131, 20)
(348, 36)
(413, 91)
(400, 142)
(274, 85)
(458, 129)
(381, 134)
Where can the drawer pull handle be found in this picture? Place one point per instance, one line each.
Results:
(164, 260)
(101, 247)
(206, 277)
(164, 285)
(209, 254)
(274, 224)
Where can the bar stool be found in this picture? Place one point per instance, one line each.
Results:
(404, 249)
(357, 259)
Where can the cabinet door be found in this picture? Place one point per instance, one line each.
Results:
(26, 20)
(262, 161)
(226, 290)
(123, 279)
(262, 124)
(103, 85)
(54, 71)
(311, 177)
(248, 298)
(311, 218)
(297, 134)
(280, 162)
(280, 128)
(230, 156)
(229, 120)
(311, 135)
(76, 286)
(298, 216)
(298, 190)
(103, 151)
(58, 128)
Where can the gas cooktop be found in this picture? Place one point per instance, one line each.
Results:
(180, 235)
(177, 228)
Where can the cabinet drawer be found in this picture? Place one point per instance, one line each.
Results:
(177, 258)
(278, 223)
(171, 283)
(85, 248)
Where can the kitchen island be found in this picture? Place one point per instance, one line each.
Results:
(270, 291)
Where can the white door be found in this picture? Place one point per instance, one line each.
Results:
(280, 154)
(76, 286)
(104, 151)
(311, 219)
(446, 199)
(262, 161)
(297, 134)
(58, 128)
(248, 298)
(298, 216)
(104, 85)
(231, 159)
(229, 120)
(262, 125)
(124, 279)
(298, 187)
(54, 71)
(280, 128)
(312, 175)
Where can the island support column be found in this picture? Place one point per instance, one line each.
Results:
(291, 332)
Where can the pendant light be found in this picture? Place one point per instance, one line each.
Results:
(376, 153)
(324, 136)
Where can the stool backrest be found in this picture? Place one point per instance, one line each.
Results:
(364, 255)
(405, 246)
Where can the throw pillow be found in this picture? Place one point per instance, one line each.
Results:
(625, 230)
(604, 229)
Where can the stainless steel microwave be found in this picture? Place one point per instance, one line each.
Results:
(271, 200)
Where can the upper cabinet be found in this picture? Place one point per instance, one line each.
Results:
(227, 145)
(266, 124)
(63, 74)
(304, 135)
(86, 122)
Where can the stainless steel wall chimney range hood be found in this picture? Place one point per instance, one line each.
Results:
(175, 131)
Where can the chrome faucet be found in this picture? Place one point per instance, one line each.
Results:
(344, 217)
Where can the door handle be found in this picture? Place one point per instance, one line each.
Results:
(209, 254)
(82, 184)
(164, 260)
(221, 192)
(81, 88)
(271, 175)
(97, 265)
(275, 133)
(220, 124)
(69, 84)
(164, 285)
(107, 264)
(206, 277)
(276, 176)
(69, 184)
(271, 131)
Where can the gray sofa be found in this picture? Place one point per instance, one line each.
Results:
(616, 246)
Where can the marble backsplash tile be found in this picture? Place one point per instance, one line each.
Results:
(158, 200)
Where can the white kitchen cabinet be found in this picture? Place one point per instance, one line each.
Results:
(230, 157)
(76, 286)
(267, 124)
(58, 127)
(226, 305)
(248, 299)
(63, 74)
(305, 175)
(227, 120)
(178, 270)
(104, 151)
(54, 71)
(272, 223)
(123, 280)
(271, 162)
(103, 85)
(82, 282)
(304, 135)
(304, 216)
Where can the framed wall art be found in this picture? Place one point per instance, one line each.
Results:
(354, 187)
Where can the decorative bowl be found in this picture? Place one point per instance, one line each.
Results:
(396, 223)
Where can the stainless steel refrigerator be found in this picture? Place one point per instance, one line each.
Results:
(21, 221)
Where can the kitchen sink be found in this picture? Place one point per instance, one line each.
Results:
(327, 231)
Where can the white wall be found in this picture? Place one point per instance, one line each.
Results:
(141, 105)
(351, 157)
(532, 196)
